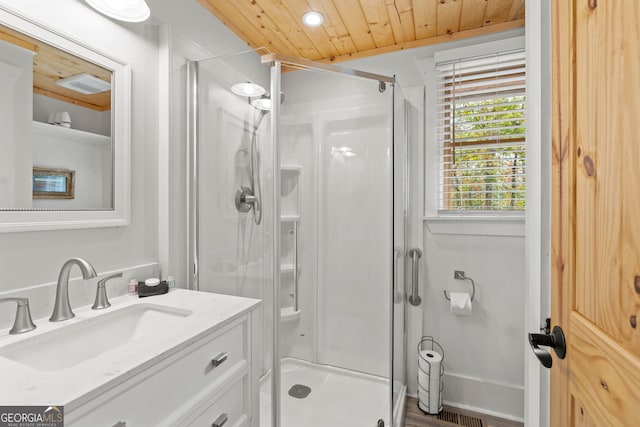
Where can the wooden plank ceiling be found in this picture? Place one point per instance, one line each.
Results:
(51, 64)
(359, 28)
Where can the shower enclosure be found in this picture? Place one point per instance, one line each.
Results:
(299, 200)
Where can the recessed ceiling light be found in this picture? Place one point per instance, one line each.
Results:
(122, 10)
(247, 89)
(313, 18)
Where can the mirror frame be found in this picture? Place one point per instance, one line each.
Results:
(37, 220)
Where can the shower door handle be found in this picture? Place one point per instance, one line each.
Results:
(397, 255)
(415, 255)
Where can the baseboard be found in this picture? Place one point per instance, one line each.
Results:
(486, 397)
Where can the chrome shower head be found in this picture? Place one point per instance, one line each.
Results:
(264, 102)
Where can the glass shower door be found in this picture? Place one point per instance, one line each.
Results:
(400, 252)
(230, 253)
(335, 137)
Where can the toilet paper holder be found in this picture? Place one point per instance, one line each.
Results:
(459, 275)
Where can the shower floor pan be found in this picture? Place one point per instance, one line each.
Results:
(338, 397)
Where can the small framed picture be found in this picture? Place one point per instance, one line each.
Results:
(53, 183)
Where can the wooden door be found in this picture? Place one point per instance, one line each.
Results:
(596, 212)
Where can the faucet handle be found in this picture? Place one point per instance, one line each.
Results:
(23, 321)
(101, 300)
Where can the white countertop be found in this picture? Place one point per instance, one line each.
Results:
(76, 385)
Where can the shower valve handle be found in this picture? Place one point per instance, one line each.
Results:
(245, 199)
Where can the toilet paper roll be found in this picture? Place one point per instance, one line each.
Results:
(429, 380)
(460, 303)
(429, 357)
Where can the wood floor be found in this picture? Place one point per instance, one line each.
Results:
(414, 417)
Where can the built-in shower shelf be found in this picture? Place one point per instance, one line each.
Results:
(288, 313)
(287, 268)
(291, 169)
(289, 218)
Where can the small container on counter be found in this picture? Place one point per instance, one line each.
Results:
(133, 287)
(171, 283)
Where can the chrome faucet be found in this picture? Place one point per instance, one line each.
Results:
(62, 308)
(23, 321)
(101, 300)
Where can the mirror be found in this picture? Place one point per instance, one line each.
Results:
(67, 109)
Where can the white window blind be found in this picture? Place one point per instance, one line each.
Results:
(480, 132)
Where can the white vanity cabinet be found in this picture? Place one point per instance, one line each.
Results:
(208, 380)
(199, 368)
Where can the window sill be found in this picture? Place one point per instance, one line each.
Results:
(510, 226)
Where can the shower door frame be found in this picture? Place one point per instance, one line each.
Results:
(277, 61)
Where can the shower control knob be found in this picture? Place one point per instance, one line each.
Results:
(245, 199)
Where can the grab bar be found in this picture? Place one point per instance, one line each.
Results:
(415, 255)
(295, 265)
(397, 255)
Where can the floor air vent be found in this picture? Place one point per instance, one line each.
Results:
(456, 418)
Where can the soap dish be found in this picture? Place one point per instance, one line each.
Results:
(149, 291)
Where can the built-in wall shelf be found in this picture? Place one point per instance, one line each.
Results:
(290, 189)
(69, 134)
(290, 169)
(290, 214)
(286, 268)
(289, 314)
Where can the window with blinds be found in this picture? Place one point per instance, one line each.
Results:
(480, 132)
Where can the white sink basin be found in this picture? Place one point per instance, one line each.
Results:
(73, 344)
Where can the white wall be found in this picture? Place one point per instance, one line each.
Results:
(30, 261)
(484, 356)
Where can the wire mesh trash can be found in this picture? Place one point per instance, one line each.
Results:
(430, 372)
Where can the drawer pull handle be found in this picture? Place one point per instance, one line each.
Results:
(220, 421)
(217, 361)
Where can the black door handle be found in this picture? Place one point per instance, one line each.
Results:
(554, 340)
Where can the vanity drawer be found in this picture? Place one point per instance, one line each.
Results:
(202, 369)
(228, 410)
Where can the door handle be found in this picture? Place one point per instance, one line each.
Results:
(554, 340)
(397, 256)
